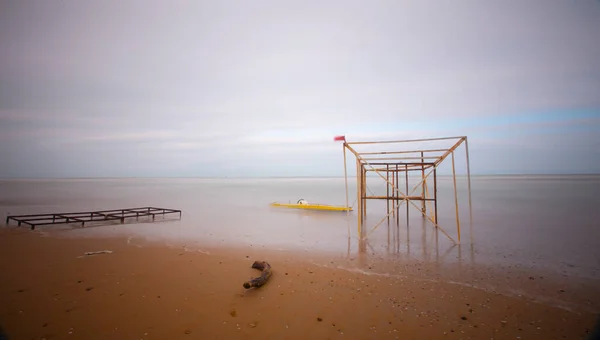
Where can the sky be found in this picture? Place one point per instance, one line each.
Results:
(259, 88)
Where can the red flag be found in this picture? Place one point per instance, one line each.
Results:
(339, 138)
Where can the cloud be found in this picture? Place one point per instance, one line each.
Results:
(230, 81)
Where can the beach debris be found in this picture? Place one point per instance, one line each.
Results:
(90, 253)
(82, 218)
(259, 281)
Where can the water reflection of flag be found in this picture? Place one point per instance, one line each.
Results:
(339, 138)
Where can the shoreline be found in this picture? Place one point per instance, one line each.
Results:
(536, 283)
(197, 291)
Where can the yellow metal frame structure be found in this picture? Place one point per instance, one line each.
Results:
(388, 166)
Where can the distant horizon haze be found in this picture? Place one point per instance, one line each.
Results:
(351, 177)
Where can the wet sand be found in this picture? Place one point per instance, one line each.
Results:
(49, 290)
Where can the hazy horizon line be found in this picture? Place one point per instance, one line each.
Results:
(285, 177)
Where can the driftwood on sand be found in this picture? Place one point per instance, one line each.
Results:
(90, 253)
(265, 268)
(98, 252)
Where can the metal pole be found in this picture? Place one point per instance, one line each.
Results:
(423, 205)
(435, 195)
(397, 196)
(469, 179)
(394, 193)
(455, 198)
(470, 206)
(387, 194)
(393, 189)
(364, 188)
(346, 185)
(407, 205)
(358, 198)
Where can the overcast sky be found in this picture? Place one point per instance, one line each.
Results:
(259, 88)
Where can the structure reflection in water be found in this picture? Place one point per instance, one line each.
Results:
(415, 241)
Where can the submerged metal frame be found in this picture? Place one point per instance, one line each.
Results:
(426, 159)
(35, 220)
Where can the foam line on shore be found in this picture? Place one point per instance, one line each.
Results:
(510, 292)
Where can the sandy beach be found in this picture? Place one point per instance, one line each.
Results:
(51, 290)
(408, 169)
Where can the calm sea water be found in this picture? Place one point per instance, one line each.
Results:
(549, 222)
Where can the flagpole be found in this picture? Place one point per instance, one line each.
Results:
(344, 145)
(346, 179)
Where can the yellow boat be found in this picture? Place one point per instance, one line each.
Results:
(302, 204)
